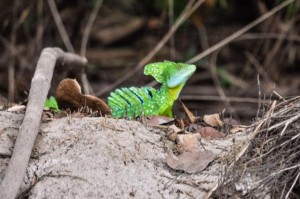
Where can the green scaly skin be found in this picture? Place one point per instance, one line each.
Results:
(132, 102)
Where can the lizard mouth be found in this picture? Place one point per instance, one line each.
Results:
(180, 77)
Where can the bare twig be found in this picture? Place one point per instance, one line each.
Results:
(11, 66)
(203, 37)
(171, 18)
(29, 129)
(259, 96)
(292, 119)
(256, 36)
(87, 30)
(276, 48)
(62, 31)
(293, 185)
(87, 89)
(278, 95)
(246, 145)
(217, 98)
(11, 78)
(239, 32)
(189, 9)
(40, 26)
(13, 50)
(217, 83)
(258, 67)
(256, 131)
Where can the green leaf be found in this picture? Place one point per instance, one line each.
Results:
(51, 103)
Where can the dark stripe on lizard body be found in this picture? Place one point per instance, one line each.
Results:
(149, 92)
(140, 98)
(125, 100)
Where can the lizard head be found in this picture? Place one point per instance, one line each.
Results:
(177, 75)
(169, 73)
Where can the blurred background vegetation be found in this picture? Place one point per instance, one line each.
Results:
(124, 32)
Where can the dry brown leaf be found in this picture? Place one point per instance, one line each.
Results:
(213, 120)
(190, 115)
(236, 129)
(157, 119)
(210, 133)
(180, 123)
(172, 136)
(17, 108)
(190, 162)
(174, 128)
(172, 132)
(188, 142)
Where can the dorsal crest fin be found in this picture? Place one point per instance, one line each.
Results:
(156, 70)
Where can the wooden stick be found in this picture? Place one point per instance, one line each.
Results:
(28, 130)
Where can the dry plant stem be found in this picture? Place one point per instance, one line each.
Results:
(11, 66)
(189, 9)
(290, 190)
(256, 131)
(258, 67)
(171, 17)
(217, 98)
(62, 31)
(87, 30)
(288, 146)
(217, 83)
(86, 85)
(13, 50)
(28, 131)
(11, 78)
(40, 26)
(279, 172)
(259, 96)
(256, 36)
(239, 32)
(276, 48)
(296, 117)
(246, 146)
(203, 37)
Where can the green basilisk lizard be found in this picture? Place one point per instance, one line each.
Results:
(132, 102)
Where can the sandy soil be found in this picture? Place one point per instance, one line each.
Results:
(106, 158)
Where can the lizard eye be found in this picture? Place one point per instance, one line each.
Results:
(179, 66)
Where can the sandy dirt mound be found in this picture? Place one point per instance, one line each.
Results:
(105, 158)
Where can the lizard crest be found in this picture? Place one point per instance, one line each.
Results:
(132, 102)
